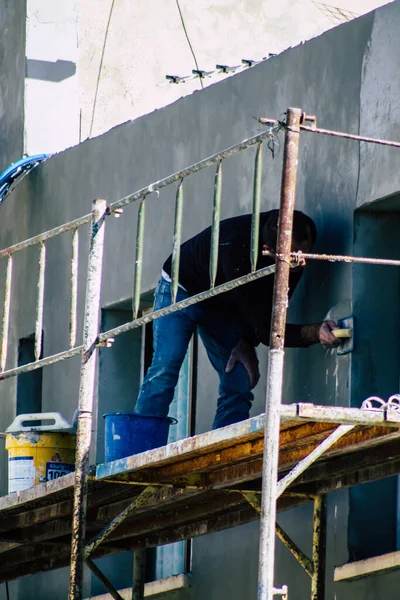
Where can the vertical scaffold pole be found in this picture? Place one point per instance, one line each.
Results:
(255, 217)
(137, 286)
(176, 251)
(139, 573)
(216, 217)
(86, 391)
(6, 315)
(276, 358)
(319, 549)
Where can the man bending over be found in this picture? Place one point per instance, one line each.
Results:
(231, 324)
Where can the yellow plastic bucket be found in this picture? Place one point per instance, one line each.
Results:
(39, 453)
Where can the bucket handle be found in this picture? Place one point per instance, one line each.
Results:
(21, 422)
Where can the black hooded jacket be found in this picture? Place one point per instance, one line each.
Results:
(251, 302)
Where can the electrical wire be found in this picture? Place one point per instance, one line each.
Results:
(187, 38)
(101, 67)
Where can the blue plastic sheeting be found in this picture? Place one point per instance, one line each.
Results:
(16, 170)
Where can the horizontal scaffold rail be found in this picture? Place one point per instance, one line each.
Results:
(194, 168)
(332, 133)
(148, 318)
(197, 485)
(46, 235)
(116, 209)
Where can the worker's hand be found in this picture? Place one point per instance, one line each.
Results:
(326, 337)
(245, 354)
(320, 333)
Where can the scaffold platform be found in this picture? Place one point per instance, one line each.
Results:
(198, 485)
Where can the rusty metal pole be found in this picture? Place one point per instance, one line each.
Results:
(86, 392)
(276, 358)
(139, 573)
(319, 549)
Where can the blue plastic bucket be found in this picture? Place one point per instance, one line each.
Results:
(130, 433)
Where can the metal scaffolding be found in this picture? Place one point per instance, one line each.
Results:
(273, 486)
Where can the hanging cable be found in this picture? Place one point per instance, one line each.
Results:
(188, 40)
(101, 67)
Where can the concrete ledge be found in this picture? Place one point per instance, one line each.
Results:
(366, 568)
(153, 588)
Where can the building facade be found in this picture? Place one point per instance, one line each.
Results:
(349, 78)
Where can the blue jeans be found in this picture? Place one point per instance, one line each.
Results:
(219, 332)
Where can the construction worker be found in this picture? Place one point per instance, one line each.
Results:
(231, 324)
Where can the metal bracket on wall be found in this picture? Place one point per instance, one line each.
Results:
(283, 591)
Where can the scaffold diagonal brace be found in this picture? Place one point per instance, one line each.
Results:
(255, 501)
(139, 501)
(101, 577)
(303, 465)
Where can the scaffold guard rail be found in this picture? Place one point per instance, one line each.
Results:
(301, 445)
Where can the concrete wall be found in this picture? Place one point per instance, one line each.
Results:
(379, 103)
(121, 81)
(12, 63)
(52, 120)
(12, 76)
(91, 65)
(331, 77)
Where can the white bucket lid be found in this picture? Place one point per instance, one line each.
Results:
(51, 421)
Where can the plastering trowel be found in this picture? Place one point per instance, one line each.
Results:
(346, 334)
(345, 324)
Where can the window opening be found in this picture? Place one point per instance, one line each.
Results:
(29, 385)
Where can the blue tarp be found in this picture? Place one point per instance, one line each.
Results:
(19, 168)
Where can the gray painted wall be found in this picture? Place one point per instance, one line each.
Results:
(331, 76)
(12, 76)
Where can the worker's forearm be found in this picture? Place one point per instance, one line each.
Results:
(310, 334)
(301, 336)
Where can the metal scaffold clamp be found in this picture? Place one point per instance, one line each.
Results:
(105, 343)
(309, 119)
(391, 406)
(283, 591)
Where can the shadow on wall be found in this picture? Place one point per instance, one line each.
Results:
(49, 71)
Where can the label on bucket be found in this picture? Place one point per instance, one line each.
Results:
(21, 473)
(54, 470)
